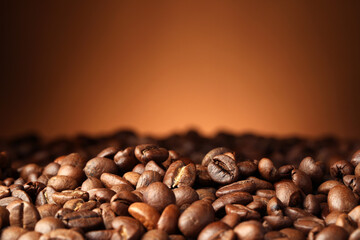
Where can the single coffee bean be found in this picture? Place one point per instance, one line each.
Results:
(342, 199)
(258, 206)
(125, 159)
(231, 219)
(275, 207)
(110, 180)
(148, 177)
(29, 169)
(155, 234)
(82, 219)
(305, 224)
(231, 198)
(325, 187)
(213, 153)
(74, 204)
(71, 171)
(47, 224)
(4, 202)
(354, 214)
(205, 194)
(73, 159)
(288, 193)
(45, 196)
(244, 212)
(98, 165)
(147, 152)
(179, 174)
(158, 195)
(4, 192)
(331, 217)
(61, 197)
(152, 166)
(48, 210)
(261, 184)
(355, 159)
(185, 195)
(312, 204)
(107, 214)
(21, 195)
(352, 182)
(60, 214)
(12, 232)
(139, 168)
(100, 235)
(293, 234)
(30, 236)
(239, 186)
(168, 220)
(222, 169)
(267, 170)
(355, 235)
(217, 230)
(146, 214)
(247, 168)
(341, 168)
(276, 222)
(60, 183)
(91, 183)
(132, 177)
(302, 180)
(195, 218)
(23, 214)
(101, 195)
(313, 169)
(295, 213)
(346, 223)
(121, 201)
(127, 228)
(331, 233)
(63, 234)
(108, 152)
(51, 169)
(265, 193)
(250, 230)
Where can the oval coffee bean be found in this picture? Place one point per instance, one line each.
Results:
(341, 198)
(60, 183)
(185, 195)
(147, 152)
(239, 186)
(179, 174)
(168, 220)
(23, 214)
(127, 227)
(288, 193)
(332, 232)
(213, 153)
(250, 230)
(158, 195)
(231, 198)
(222, 169)
(48, 224)
(99, 165)
(82, 219)
(267, 170)
(217, 230)
(146, 214)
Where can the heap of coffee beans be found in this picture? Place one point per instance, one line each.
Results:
(181, 187)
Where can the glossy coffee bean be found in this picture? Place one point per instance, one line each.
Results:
(223, 169)
(63, 234)
(239, 186)
(312, 204)
(147, 152)
(179, 174)
(110, 180)
(48, 224)
(82, 219)
(127, 227)
(12, 232)
(32, 235)
(168, 220)
(98, 165)
(61, 197)
(313, 169)
(101, 235)
(153, 166)
(23, 214)
(261, 184)
(341, 198)
(73, 159)
(242, 211)
(91, 183)
(325, 187)
(250, 230)
(125, 159)
(213, 153)
(331, 233)
(145, 214)
(108, 152)
(231, 198)
(267, 170)
(155, 234)
(247, 168)
(132, 177)
(288, 193)
(217, 230)
(185, 195)
(341, 168)
(305, 224)
(302, 180)
(60, 183)
(275, 207)
(158, 195)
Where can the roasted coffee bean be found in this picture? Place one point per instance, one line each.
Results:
(23, 214)
(231, 219)
(60, 214)
(305, 224)
(240, 186)
(110, 180)
(107, 215)
(354, 214)
(285, 171)
(355, 159)
(313, 169)
(222, 169)
(147, 152)
(258, 206)
(152, 166)
(332, 232)
(91, 183)
(202, 176)
(325, 187)
(341, 168)
(155, 234)
(179, 174)
(244, 212)
(352, 182)
(195, 218)
(302, 180)
(342, 199)
(355, 235)
(60, 183)
(120, 202)
(250, 230)
(139, 168)
(4, 192)
(128, 228)
(276, 222)
(205, 194)
(100, 235)
(275, 207)
(231, 198)
(30, 236)
(185, 195)
(4, 216)
(295, 213)
(147, 178)
(332, 217)
(261, 184)
(132, 177)
(168, 220)
(82, 219)
(158, 195)
(346, 223)
(73, 159)
(48, 224)
(29, 169)
(125, 160)
(63, 234)
(12, 232)
(51, 169)
(48, 210)
(61, 197)
(71, 171)
(108, 152)
(99, 165)
(7, 200)
(176, 237)
(247, 168)
(101, 194)
(267, 170)
(217, 230)
(288, 193)
(213, 153)
(146, 214)
(21, 195)
(45, 196)
(312, 204)
(265, 193)
(293, 234)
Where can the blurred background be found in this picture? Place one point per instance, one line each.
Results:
(162, 66)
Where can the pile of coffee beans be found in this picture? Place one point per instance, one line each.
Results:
(181, 187)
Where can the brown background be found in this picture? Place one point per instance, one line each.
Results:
(284, 67)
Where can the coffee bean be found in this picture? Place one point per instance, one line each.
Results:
(247, 168)
(51, 169)
(195, 218)
(288, 193)
(155, 234)
(152, 166)
(147, 152)
(4, 192)
(12, 232)
(293, 234)
(30, 169)
(179, 174)
(222, 169)
(231, 219)
(312, 204)
(185, 195)
(60, 183)
(213, 153)
(158, 195)
(176, 237)
(313, 169)
(121, 201)
(231, 198)
(244, 212)
(108, 152)
(148, 177)
(261, 184)
(325, 187)
(267, 170)
(217, 230)
(331, 217)
(63, 234)
(126, 160)
(61, 197)
(346, 223)
(250, 230)
(100, 235)
(276, 222)
(99, 165)
(295, 213)
(127, 227)
(73, 159)
(305, 224)
(30, 236)
(82, 219)
(332, 232)
(342, 199)
(7, 200)
(107, 215)
(146, 214)
(202, 176)
(73, 172)
(302, 180)
(354, 214)
(168, 220)
(341, 168)
(23, 214)
(132, 177)
(275, 207)
(240, 186)
(48, 210)
(60, 214)
(21, 195)
(205, 194)
(101, 195)
(91, 183)
(265, 193)
(47, 224)
(258, 206)
(139, 168)
(285, 171)
(45, 196)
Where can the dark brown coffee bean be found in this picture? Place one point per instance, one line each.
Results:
(60, 183)
(202, 176)
(139, 168)
(312, 204)
(222, 169)
(98, 165)
(285, 171)
(168, 220)
(63, 234)
(275, 207)
(213, 153)
(23, 214)
(12, 232)
(158, 195)
(29, 169)
(155, 234)
(250, 230)
(61, 197)
(127, 228)
(295, 213)
(325, 187)
(147, 178)
(100, 234)
(126, 160)
(342, 199)
(73, 159)
(4, 217)
(355, 159)
(239, 186)
(313, 169)
(332, 232)
(152, 166)
(82, 219)
(244, 212)
(51, 169)
(346, 223)
(265, 193)
(101, 195)
(71, 171)
(146, 214)
(179, 174)
(120, 202)
(276, 222)
(108, 152)
(305, 224)
(258, 206)
(132, 177)
(267, 170)
(293, 234)
(352, 182)
(91, 183)
(217, 230)
(195, 218)
(341, 168)
(185, 195)
(247, 168)
(45, 196)
(302, 180)
(147, 152)
(47, 224)
(107, 215)
(288, 193)
(231, 219)
(48, 210)
(232, 198)
(261, 184)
